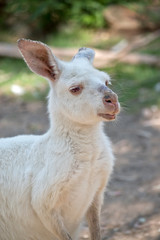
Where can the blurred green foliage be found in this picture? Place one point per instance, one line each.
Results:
(71, 37)
(135, 85)
(46, 16)
(153, 48)
(17, 73)
(49, 14)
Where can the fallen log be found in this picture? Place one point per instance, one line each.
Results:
(138, 42)
(11, 50)
(135, 58)
(103, 58)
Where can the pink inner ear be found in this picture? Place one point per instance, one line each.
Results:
(38, 58)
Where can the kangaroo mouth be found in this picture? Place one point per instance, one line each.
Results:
(107, 116)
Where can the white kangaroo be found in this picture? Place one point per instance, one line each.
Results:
(49, 183)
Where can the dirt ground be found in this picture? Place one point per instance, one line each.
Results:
(131, 208)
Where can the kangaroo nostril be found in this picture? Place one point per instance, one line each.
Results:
(107, 99)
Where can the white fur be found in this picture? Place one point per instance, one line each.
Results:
(56, 176)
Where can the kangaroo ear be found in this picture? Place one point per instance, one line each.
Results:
(40, 59)
(84, 52)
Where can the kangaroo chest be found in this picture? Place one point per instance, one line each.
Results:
(80, 190)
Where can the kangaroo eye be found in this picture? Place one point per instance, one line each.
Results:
(106, 83)
(76, 89)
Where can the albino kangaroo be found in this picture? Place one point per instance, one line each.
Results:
(49, 183)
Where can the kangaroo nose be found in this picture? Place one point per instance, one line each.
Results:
(110, 98)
